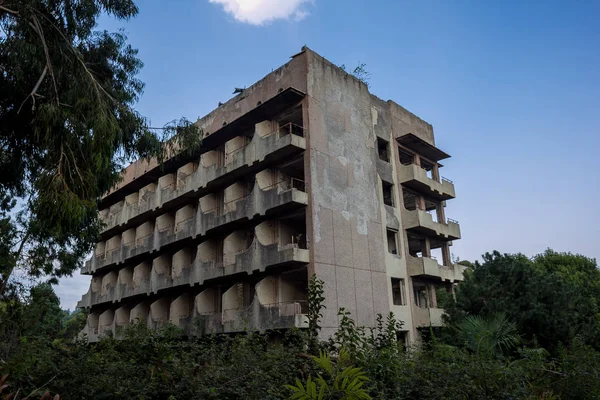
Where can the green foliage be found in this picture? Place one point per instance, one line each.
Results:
(315, 310)
(360, 73)
(549, 304)
(481, 358)
(492, 336)
(336, 380)
(35, 317)
(68, 127)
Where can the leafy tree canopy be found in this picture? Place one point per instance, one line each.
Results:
(552, 298)
(67, 126)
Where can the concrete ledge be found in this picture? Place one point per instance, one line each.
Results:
(429, 268)
(415, 177)
(422, 222)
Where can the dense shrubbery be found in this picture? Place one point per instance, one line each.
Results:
(483, 354)
(160, 365)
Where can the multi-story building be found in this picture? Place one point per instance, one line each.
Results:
(305, 172)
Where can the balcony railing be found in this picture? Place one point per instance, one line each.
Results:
(424, 222)
(290, 129)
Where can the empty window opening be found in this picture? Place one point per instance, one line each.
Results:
(432, 207)
(402, 339)
(436, 254)
(292, 173)
(398, 294)
(421, 292)
(291, 122)
(219, 251)
(388, 198)
(411, 200)
(248, 296)
(220, 156)
(392, 241)
(292, 230)
(428, 167)
(406, 158)
(414, 244)
(383, 149)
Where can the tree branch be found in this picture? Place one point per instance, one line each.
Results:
(8, 10)
(34, 91)
(5, 278)
(38, 29)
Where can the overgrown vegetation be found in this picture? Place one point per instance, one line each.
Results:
(480, 355)
(518, 328)
(360, 72)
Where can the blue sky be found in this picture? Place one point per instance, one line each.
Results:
(512, 89)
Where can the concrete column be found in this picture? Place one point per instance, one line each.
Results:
(426, 247)
(435, 173)
(417, 160)
(441, 214)
(432, 296)
(420, 203)
(446, 255)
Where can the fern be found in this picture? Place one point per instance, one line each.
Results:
(339, 380)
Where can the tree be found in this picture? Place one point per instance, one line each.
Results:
(488, 337)
(545, 305)
(67, 126)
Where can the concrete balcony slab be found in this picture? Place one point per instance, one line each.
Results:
(424, 317)
(415, 177)
(429, 268)
(422, 222)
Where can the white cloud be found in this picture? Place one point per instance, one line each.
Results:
(259, 12)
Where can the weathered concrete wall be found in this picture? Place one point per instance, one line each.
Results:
(395, 264)
(347, 240)
(404, 122)
(292, 74)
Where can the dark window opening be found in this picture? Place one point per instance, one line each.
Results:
(402, 339)
(428, 167)
(406, 158)
(248, 296)
(398, 295)
(388, 198)
(422, 296)
(291, 122)
(383, 149)
(410, 199)
(392, 241)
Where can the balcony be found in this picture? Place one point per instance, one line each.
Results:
(429, 268)
(260, 202)
(425, 317)
(143, 171)
(263, 317)
(257, 257)
(415, 177)
(277, 303)
(194, 181)
(422, 222)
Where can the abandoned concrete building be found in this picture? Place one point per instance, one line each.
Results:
(305, 172)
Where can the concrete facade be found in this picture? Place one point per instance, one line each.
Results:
(305, 172)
